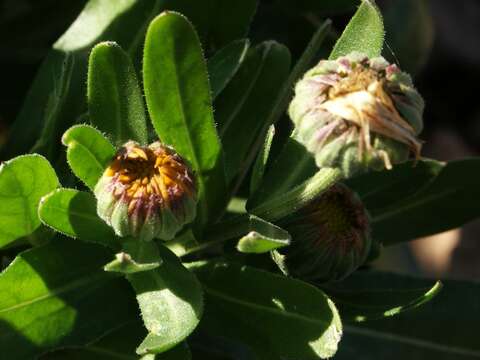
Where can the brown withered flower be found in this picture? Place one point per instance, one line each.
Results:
(357, 114)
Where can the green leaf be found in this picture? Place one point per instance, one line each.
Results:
(88, 153)
(323, 7)
(57, 295)
(244, 106)
(263, 237)
(179, 103)
(123, 21)
(136, 256)
(410, 33)
(260, 164)
(54, 104)
(452, 196)
(23, 181)
(171, 302)
(217, 22)
(125, 264)
(273, 314)
(357, 304)
(381, 189)
(118, 344)
(115, 102)
(224, 64)
(183, 243)
(364, 33)
(443, 328)
(294, 199)
(74, 213)
(294, 163)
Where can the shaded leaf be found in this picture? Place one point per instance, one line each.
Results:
(136, 256)
(297, 197)
(244, 107)
(364, 33)
(263, 237)
(294, 164)
(119, 344)
(365, 304)
(57, 295)
(23, 181)
(171, 302)
(443, 328)
(452, 196)
(410, 33)
(74, 213)
(88, 153)
(295, 319)
(115, 103)
(217, 22)
(179, 103)
(382, 189)
(223, 65)
(123, 21)
(260, 164)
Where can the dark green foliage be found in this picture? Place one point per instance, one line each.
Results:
(138, 70)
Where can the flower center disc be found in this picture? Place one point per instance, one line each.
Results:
(153, 175)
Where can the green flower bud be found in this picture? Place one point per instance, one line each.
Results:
(357, 114)
(330, 237)
(146, 192)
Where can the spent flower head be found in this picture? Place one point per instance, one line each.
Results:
(146, 192)
(357, 113)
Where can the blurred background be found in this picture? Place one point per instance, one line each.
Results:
(436, 41)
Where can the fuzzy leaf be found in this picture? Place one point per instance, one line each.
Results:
(364, 33)
(381, 189)
(115, 102)
(23, 181)
(224, 64)
(260, 164)
(244, 106)
(410, 33)
(295, 319)
(294, 199)
(419, 334)
(74, 213)
(57, 295)
(263, 237)
(136, 256)
(123, 21)
(118, 344)
(450, 195)
(178, 98)
(171, 302)
(294, 164)
(88, 153)
(357, 304)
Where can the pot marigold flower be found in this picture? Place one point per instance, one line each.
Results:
(357, 114)
(146, 192)
(330, 237)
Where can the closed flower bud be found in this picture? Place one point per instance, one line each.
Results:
(330, 237)
(357, 114)
(146, 192)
